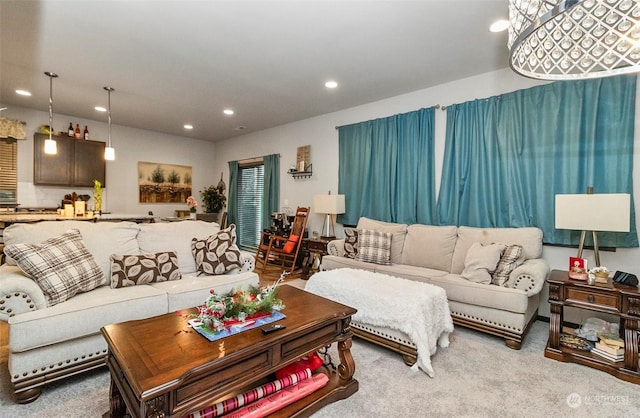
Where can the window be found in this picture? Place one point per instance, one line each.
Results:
(250, 202)
(8, 172)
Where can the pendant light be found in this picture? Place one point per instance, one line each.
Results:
(50, 144)
(109, 152)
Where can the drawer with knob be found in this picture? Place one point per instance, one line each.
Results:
(594, 299)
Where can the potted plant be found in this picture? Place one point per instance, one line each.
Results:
(212, 199)
(191, 202)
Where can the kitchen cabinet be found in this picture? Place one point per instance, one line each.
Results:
(77, 163)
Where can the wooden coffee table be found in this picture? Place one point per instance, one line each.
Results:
(162, 368)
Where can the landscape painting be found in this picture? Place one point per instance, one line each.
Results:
(164, 183)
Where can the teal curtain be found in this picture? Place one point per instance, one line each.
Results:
(506, 157)
(271, 194)
(232, 201)
(386, 168)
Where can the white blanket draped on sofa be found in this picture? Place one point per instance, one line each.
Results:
(419, 310)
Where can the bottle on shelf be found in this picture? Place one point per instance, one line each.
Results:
(86, 132)
(71, 131)
(78, 135)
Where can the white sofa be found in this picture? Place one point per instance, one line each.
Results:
(436, 255)
(47, 343)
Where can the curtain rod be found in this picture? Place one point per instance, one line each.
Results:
(254, 159)
(438, 106)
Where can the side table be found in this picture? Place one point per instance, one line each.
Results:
(313, 249)
(616, 299)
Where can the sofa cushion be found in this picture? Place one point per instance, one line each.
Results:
(529, 238)
(477, 294)
(101, 238)
(481, 262)
(374, 246)
(175, 236)
(193, 290)
(84, 315)
(62, 266)
(217, 253)
(350, 242)
(419, 274)
(398, 231)
(332, 262)
(430, 246)
(512, 256)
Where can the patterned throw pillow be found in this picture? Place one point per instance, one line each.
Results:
(62, 266)
(137, 269)
(512, 257)
(374, 246)
(351, 243)
(132, 270)
(218, 253)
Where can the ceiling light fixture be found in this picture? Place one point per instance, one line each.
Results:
(187, 126)
(50, 146)
(228, 112)
(574, 39)
(100, 109)
(23, 92)
(331, 84)
(109, 152)
(499, 26)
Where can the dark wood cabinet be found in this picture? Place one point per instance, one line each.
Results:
(77, 163)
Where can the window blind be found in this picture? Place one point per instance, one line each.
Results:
(8, 172)
(250, 201)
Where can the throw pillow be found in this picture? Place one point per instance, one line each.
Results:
(512, 257)
(218, 253)
(374, 246)
(168, 266)
(62, 266)
(137, 269)
(291, 244)
(351, 243)
(132, 270)
(481, 261)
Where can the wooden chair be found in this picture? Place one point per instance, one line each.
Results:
(277, 254)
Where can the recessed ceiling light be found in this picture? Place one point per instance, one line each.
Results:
(100, 109)
(23, 92)
(187, 126)
(499, 25)
(331, 84)
(228, 112)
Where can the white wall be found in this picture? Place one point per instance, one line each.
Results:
(321, 134)
(131, 145)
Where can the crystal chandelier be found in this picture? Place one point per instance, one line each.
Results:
(574, 39)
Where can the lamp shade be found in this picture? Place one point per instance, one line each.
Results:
(594, 212)
(328, 203)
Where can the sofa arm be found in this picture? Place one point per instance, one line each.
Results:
(18, 293)
(248, 262)
(336, 247)
(529, 276)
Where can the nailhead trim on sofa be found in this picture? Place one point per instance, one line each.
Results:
(484, 321)
(5, 304)
(59, 364)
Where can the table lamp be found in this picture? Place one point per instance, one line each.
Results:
(328, 204)
(593, 212)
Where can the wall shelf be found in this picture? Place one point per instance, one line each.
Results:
(302, 174)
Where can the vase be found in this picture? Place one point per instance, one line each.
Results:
(602, 277)
(192, 215)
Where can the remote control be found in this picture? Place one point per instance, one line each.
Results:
(272, 328)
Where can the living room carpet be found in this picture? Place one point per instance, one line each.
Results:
(477, 376)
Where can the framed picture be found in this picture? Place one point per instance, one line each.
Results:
(163, 183)
(578, 268)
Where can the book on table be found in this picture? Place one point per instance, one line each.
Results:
(606, 355)
(611, 339)
(610, 349)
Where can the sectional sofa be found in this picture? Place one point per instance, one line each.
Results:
(458, 260)
(52, 339)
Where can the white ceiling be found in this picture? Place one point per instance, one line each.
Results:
(177, 62)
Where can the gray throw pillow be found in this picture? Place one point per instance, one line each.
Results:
(512, 257)
(374, 246)
(481, 261)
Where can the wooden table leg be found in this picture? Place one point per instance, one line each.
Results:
(631, 344)
(555, 325)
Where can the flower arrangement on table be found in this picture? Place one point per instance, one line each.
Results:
(601, 273)
(220, 312)
(192, 203)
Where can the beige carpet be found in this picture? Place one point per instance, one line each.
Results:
(476, 376)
